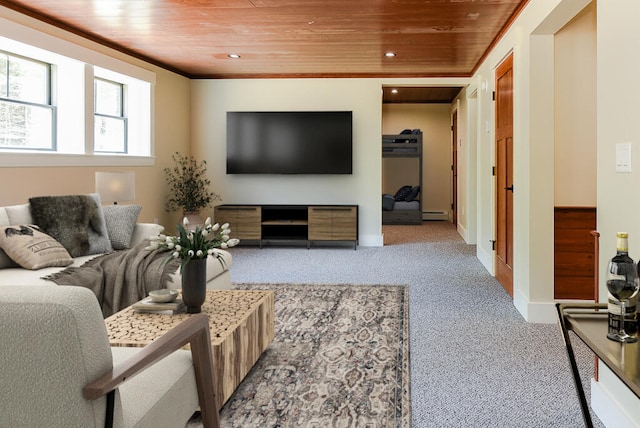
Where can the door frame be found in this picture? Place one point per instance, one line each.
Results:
(454, 167)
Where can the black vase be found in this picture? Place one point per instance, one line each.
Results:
(194, 284)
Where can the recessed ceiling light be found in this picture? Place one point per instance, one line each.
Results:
(394, 91)
(389, 54)
(234, 56)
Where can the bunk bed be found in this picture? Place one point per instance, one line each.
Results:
(405, 206)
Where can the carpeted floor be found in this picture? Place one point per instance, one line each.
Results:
(340, 358)
(474, 361)
(416, 233)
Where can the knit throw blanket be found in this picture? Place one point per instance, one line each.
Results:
(120, 278)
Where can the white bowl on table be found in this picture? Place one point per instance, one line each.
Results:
(163, 295)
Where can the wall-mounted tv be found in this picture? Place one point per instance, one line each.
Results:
(298, 142)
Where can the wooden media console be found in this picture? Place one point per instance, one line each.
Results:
(295, 223)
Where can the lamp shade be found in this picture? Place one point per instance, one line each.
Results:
(116, 186)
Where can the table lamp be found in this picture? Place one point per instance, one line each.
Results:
(116, 186)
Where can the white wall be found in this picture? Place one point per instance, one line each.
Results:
(531, 41)
(575, 111)
(617, 111)
(618, 43)
(211, 99)
(467, 107)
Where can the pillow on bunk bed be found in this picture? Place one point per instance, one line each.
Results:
(415, 190)
(402, 193)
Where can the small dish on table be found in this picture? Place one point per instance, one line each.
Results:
(163, 295)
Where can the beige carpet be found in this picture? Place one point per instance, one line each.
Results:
(428, 231)
(340, 358)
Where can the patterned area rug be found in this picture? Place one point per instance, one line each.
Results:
(340, 358)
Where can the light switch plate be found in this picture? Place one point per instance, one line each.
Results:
(623, 157)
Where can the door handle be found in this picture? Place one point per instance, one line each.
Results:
(509, 188)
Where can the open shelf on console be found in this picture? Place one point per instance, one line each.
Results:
(286, 222)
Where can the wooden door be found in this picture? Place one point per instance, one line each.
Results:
(454, 167)
(504, 174)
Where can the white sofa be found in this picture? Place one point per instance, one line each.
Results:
(218, 276)
(58, 369)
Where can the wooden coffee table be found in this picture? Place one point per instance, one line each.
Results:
(241, 323)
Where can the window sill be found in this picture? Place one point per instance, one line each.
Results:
(62, 160)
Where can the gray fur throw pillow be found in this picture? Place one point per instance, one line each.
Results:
(74, 221)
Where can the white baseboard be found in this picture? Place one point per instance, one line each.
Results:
(371, 240)
(535, 312)
(486, 258)
(435, 215)
(463, 233)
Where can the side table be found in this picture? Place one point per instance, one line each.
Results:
(589, 323)
(241, 324)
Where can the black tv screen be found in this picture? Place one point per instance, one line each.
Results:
(317, 142)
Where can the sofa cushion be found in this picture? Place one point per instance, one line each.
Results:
(76, 221)
(121, 220)
(4, 217)
(6, 261)
(31, 248)
(17, 214)
(162, 395)
(214, 268)
(21, 276)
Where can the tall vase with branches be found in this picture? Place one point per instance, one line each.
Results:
(189, 186)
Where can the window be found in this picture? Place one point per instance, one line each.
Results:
(27, 116)
(110, 123)
(62, 104)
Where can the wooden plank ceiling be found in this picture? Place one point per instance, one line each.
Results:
(289, 38)
(413, 95)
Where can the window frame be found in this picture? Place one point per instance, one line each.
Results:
(123, 116)
(50, 105)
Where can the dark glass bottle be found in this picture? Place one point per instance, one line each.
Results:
(622, 270)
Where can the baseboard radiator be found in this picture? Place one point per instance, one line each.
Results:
(435, 215)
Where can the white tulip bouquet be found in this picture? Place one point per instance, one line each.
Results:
(195, 244)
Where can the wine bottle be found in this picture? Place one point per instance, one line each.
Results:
(622, 264)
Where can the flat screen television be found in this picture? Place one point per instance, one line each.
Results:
(298, 142)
